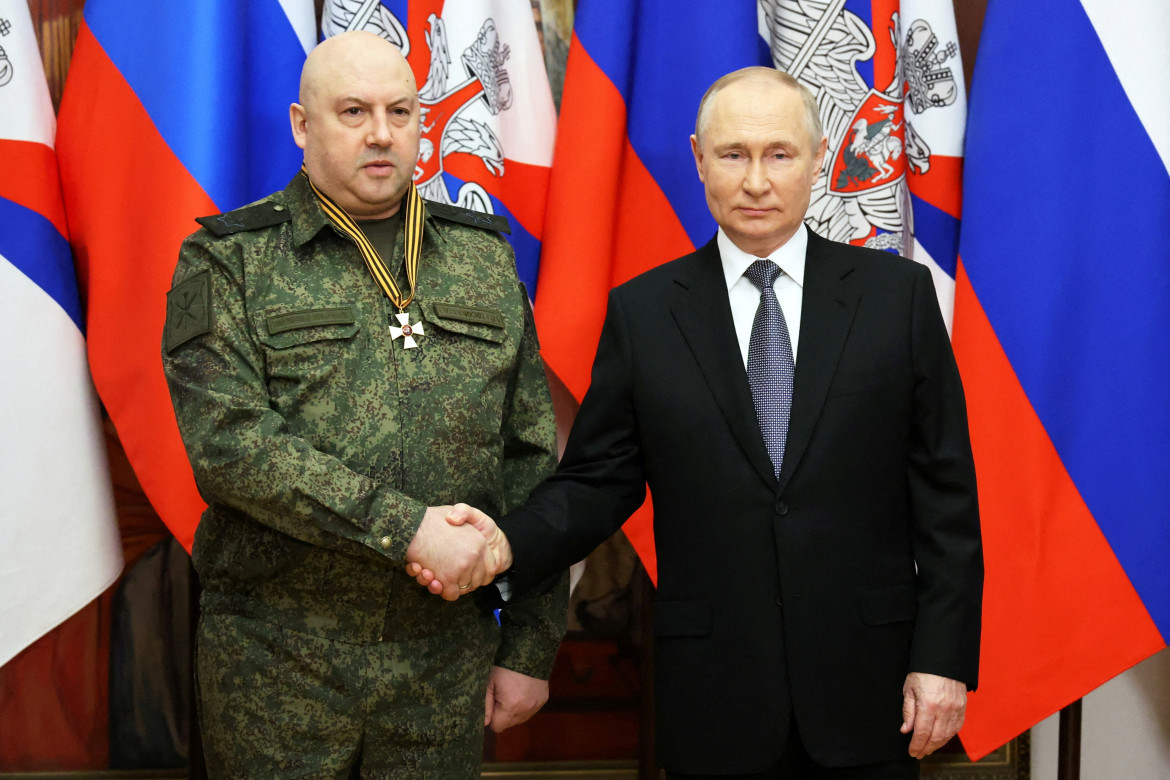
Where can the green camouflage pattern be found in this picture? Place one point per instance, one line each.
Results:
(279, 703)
(318, 442)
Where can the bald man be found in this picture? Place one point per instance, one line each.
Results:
(345, 360)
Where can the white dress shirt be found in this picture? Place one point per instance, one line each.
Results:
(745, 296)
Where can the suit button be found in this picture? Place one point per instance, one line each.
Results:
(779, 600)
(781, 508)
(386, 541)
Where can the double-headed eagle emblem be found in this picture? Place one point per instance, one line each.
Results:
(862, 196)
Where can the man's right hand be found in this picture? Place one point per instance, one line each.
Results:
(458, 559)
(496, 542)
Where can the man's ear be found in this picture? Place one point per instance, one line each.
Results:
(697, 150)
(820, 158)
(298, 118)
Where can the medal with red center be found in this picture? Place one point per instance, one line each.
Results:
(413, 229)
(407, 331)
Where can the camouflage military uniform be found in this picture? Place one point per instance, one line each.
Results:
(318, 444)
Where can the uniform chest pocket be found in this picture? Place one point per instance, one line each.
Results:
(306, 343)
(469, 345)
(478, 322)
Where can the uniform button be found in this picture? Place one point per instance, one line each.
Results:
(278, 207)
(779, 600)
(386, 542)
(781, 508)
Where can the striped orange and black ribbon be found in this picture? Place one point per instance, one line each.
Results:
(415, 214)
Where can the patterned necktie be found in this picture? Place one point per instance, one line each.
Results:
(770, 367)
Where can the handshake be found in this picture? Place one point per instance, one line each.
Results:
(456, 550)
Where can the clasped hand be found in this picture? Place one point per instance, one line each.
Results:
(456, 550)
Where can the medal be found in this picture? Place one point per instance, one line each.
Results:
(407, 331)
(415, 212)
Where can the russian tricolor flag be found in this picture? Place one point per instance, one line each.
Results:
(1062, 313)
(60, 538)
(170, 112)
(625, 197)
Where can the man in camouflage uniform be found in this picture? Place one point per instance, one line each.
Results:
(327, 450)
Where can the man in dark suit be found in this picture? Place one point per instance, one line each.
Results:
(804, 436)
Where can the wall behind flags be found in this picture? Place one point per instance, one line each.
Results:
(1126, 722)
(1125, 728)
(56, 23)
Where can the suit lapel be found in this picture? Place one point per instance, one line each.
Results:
(703, 314)
(827, 313)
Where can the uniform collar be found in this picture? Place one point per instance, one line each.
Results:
(308, 219)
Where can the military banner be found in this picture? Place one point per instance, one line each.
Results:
(61, 545)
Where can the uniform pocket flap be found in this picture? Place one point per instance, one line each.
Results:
(888, 604)
(283, 328)
(682, 618)
(477, 321)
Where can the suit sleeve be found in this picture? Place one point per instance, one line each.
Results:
(243, 453)
(946, 538)
(601, 479)
(534, 622)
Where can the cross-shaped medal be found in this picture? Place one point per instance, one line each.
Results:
(406, 330)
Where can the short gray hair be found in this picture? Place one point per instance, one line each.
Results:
(812, 113)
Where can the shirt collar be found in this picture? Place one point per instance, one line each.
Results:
(789, 256)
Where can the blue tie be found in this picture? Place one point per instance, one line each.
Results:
(770, 367)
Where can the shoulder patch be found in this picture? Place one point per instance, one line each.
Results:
(188, 310)
(248, 218)
(468, 216)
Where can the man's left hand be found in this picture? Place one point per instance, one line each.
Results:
(512, 698)
(933, 708)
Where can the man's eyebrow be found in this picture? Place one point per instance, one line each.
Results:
(360, 99)
(727, 146)
(780, 143)
(407, 100)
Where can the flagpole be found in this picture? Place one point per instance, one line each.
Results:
(1068, 765)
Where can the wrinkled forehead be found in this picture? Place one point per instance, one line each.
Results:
(756, 107)
(375, 84)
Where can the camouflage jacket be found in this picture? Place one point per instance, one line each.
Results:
(318, 442)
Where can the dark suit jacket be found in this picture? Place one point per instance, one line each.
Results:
(792, 595)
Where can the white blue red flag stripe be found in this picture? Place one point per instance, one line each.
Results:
(1061, 315)
(61, 547)
(487, 110)
(625, 197)
(169, 113)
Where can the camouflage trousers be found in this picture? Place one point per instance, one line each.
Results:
(278, 703)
